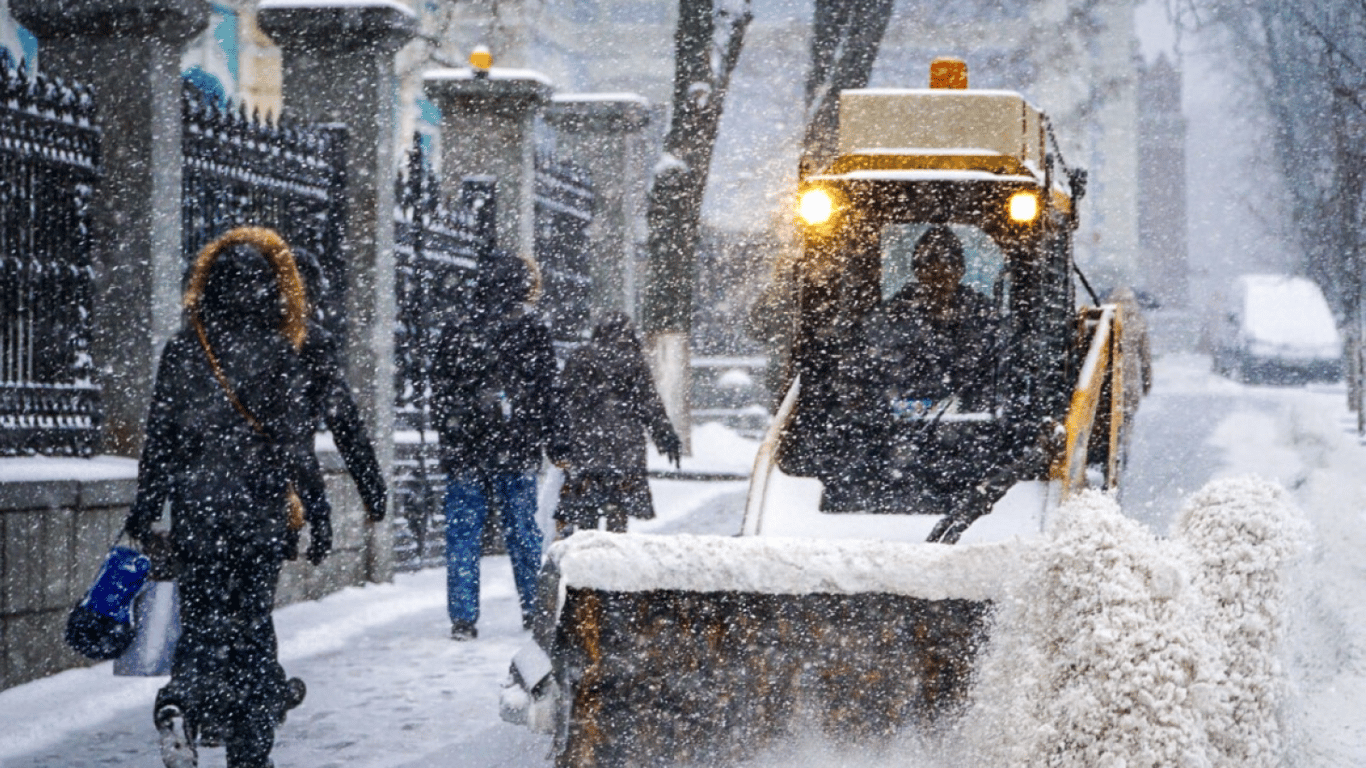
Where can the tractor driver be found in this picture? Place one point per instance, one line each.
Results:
(929, 358)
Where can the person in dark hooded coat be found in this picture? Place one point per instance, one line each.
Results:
(608, 402)
(492, 383)
(228, 447)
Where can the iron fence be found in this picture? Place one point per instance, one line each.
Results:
(49, 163)
(290, 176)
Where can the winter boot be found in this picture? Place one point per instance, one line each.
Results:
(463, 630)
(177, 747)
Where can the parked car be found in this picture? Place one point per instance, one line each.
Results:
(1277, 329)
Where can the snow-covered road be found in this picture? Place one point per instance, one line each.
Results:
(388, 688)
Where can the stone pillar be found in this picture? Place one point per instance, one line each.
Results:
(486, 129)
(339, 68)
(603, 133)
(129, 52)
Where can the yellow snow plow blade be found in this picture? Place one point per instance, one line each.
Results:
(1096, 420)
(691, 650)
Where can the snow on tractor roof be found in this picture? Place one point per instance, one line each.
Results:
(933, 121)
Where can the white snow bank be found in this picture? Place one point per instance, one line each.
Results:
(1120, 649)
(42, 468)
(641, 562)
(715, 448)
(1240, 534)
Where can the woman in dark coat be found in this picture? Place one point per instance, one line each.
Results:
(608, 403)
(228, 447)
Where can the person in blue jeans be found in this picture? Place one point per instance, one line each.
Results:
(493, 374)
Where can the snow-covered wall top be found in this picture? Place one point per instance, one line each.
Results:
(391, 4)
(494, 73)
(35, 469)
(573, 98)
(640, 562)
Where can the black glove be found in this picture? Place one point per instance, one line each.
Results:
(319, 539)
(137, 528)
(374, 511)
(671, 448)
(156, 545)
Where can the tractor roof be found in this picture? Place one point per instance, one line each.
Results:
(950, 130)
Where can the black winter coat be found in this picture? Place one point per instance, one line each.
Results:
(330, 398)
(608, 403)
(492, 387)
(913, 353)
(225, 482)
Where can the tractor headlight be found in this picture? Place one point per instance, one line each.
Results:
(815, 206)
(1024, 206)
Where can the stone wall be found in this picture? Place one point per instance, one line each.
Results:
(55, 533)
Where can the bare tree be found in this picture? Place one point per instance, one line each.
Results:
(707, 46)
(1307, 65)
(845, 38)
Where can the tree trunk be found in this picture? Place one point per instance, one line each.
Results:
(674, 207)
(845, 37)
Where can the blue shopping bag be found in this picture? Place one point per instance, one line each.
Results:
(100, 626)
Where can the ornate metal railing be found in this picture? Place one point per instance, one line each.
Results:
(564, 205)
(289, 176)
(49, 163)
(439, 247)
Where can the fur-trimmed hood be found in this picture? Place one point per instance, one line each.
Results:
(294, 322)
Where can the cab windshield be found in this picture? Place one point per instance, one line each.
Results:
(984, 260)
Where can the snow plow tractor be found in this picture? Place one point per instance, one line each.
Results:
(916, 417)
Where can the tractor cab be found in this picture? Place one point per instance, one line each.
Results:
(977, 165)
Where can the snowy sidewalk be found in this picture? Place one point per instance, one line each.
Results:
(387, 687)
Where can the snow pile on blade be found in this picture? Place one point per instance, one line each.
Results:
(1121, 649)
(640, 562)
(1241, 534)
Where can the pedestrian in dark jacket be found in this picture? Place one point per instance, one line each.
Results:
(608, 402)
(228, 446)
(492, 379)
